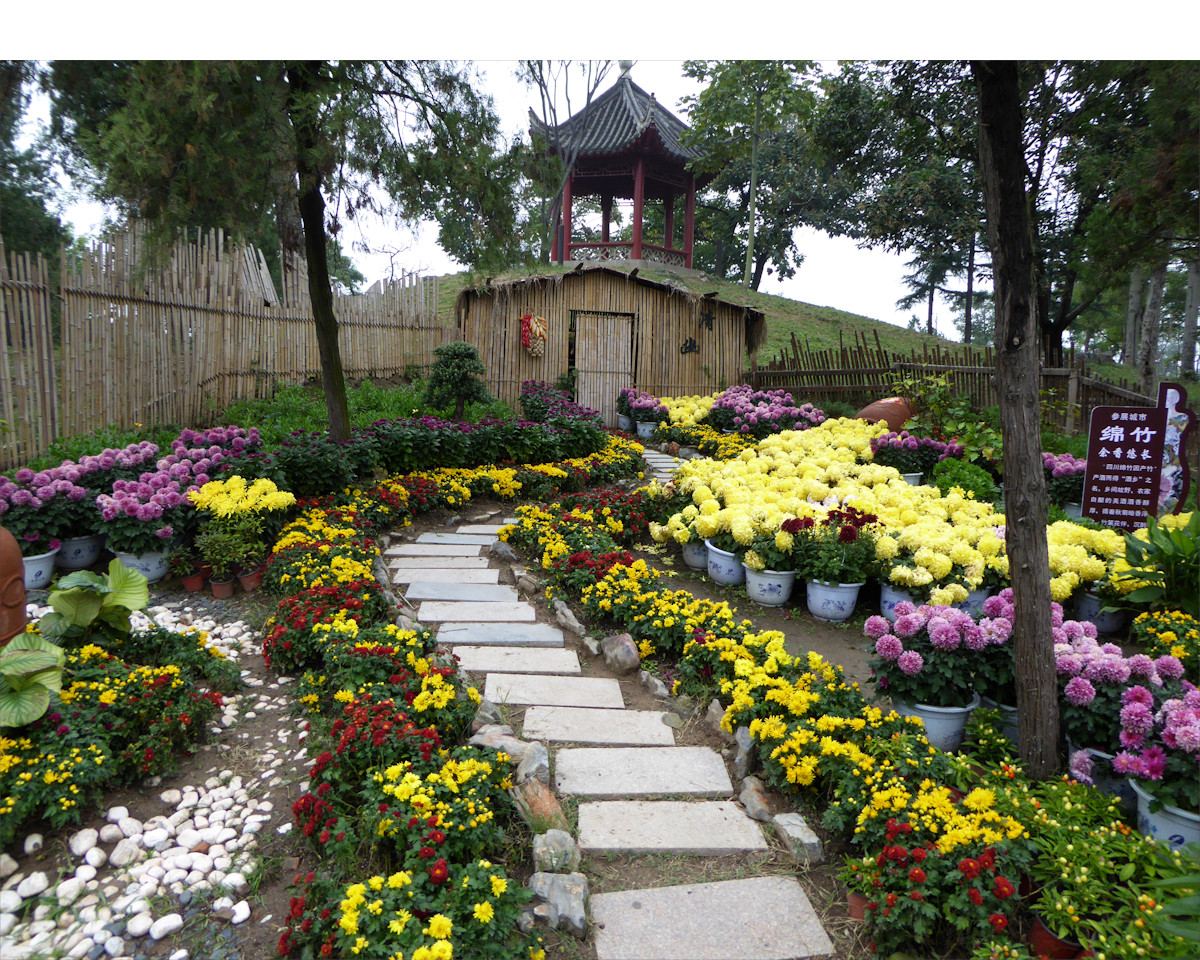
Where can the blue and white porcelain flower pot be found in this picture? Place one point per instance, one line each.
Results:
(723, 567)
(832, 602)
(769, 588)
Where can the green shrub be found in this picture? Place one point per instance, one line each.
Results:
(456, 377)
(958, 473)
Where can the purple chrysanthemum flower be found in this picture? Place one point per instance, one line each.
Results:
(1127, 764)
(876, 627)
(1081, 766)
(975, 638)
(889, 647)
(1132, 741)
(907, 625)
(910, 662)
(1137, 694)
(1137, 718)
(1079, 691)
(904, 608)
(1153, 763)
(1141, 666)
(1068, 663)
(1169, 667)
(943, 636)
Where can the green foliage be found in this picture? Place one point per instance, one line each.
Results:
(90, 607)
(971, 478)
(1169, 562)
(229, 544)
(191, 652)
(30, 671)
(456, 377)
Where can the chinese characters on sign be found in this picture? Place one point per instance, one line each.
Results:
(690, 346)
(1124, 465)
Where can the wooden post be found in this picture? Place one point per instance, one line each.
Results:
(639, 201)
(566, 216)
(689, 222)
(1071, 424)
(605, 215)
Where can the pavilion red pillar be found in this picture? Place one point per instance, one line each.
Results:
(639, 201)
(566, 216)
(669, 220)
(605, 215)
(689, 222)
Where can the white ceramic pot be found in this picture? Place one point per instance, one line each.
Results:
(1087, 607)
(973, 605)
(1169, 824)
(646, 428)
(624, 423)
(832, 602)
(39, 569)
(723, 567)
(769, 588)
(889, 597)
(695, 554)
(913, 478)
(1106, 781)
(76, 553)
(1008, 725)
(152, 566)
(944, 726)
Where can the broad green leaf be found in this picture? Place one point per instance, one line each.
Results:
(78, 606)
(129, 588)
(51, 679)
(115, 617)
(1187, 931)
(86, 579)
(20, 708)
(53, 625)
(24, 663)
(31, 641)
(1145, 594)
(1126, 872)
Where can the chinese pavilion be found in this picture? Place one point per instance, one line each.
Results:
(628, 147)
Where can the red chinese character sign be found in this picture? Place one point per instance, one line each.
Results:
(1136, 463)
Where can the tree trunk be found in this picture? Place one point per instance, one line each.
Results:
(1017, 380)
(1147, 374)
(753, 192)
(301, 77)
(1133, 317)
(970, 293)
(929, 311)
(1187, 353)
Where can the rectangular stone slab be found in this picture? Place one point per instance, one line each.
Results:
(501, 634)
(539, 660)
(621, 772)
(705, 828)
(478, 575)
(761, 918)
(435, 550)
(624, 728)
(439, 611)
(441, 563)
(467, 538)
(489, 528)
(432, 589)
(519, 689)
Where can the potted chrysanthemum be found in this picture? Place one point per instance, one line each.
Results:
(837, 557)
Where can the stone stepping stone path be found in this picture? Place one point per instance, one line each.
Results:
(433, 589)
(435, 550)
(628, 728)
(616, 772)
(424, 574)
(701, 828)
(469, 611)
(501, 634)
(624, 763)
(762, 918)
(519, 689)
(522, 660)
(662, 466)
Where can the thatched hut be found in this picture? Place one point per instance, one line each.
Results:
(614, 329)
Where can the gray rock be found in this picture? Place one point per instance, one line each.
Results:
(529, 585)
(8, 866)
(547, 913)
(621, 654)
(165, 926)
(116, 814)
(555, 851)
(453, 520)
(170, 797)
(124, 853)
(713, 718)
(592, 645)
(130, 826)
(483, 516)
(7, 922)
(139, 924)
(10, 901)
(683, 706)
(746, 761)
(32, 885)
(241, 912)
(567, 619)
(405, 622)
(526, 921)
(488, 714)
(82, 841)
(33, 844)
(673, 720)
(754, 799)
(568, 893)
(69, 890)
(654, 686)
(114, 946)
(110, 833)
(535, 765)
(502, 551)
(802, 844)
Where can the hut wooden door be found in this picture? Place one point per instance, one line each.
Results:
(603, 360)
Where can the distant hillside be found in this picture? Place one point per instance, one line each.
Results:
(819, 326)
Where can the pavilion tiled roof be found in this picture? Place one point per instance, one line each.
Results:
(616, 120)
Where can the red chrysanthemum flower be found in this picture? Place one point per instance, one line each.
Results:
(969, 868)
(976, 897)
(916, 875)
(998, 921)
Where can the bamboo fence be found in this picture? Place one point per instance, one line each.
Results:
(178, 343)
(864, 371)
